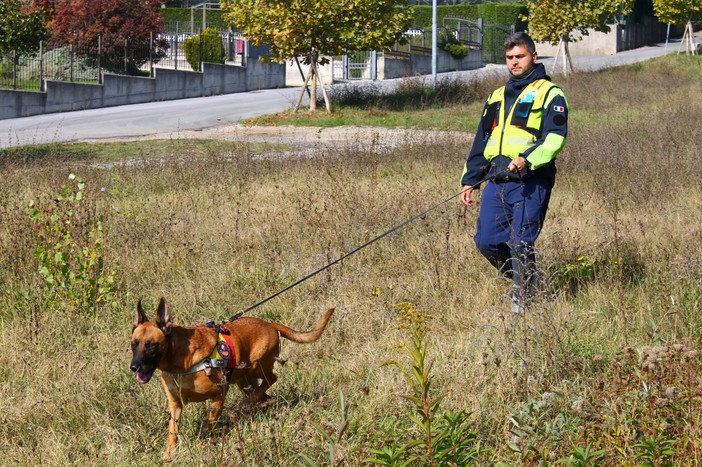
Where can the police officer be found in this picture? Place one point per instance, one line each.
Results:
(523, 127)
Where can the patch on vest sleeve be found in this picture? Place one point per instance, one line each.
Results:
(559, 108)
(559, 119)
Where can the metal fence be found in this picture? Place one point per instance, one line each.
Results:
(494, 36)
(127, 57)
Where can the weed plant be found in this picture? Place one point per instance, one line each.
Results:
(604, 371)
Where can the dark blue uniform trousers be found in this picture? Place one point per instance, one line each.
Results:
(511, 216)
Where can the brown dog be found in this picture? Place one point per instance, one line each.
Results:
(180, 351)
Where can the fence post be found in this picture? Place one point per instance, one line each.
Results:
(70, 72)
(175, 43)
(41, 66)
(14, 69)
(100, 80)
(151, 55)
(199, 51)
(125, 56)
(245, 55)
(481, 35)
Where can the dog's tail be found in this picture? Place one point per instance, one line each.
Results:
(305, 337)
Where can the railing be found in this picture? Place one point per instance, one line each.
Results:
(87, 64)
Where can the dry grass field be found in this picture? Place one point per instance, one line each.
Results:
(605, 370)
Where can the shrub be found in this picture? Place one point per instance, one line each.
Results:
(206, 47)
(445, 437)
(71, 259)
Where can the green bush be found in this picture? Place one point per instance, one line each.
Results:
(207, 47)
(450, 44)
(71, 261)
(457, 51)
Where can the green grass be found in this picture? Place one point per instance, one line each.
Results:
(452, 105)
(607, 365)
(429, 119)
(131, 150)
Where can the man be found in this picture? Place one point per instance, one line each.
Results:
(522, 129)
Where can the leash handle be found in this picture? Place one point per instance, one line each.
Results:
(373, 240)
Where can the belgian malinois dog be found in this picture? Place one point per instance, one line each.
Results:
(178, 350)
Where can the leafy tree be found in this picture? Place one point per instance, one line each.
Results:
(316, 29)
(22, 28)
(555, 21)
(677, 12)
(82, 22)
(680, 13)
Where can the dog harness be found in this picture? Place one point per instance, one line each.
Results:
(222, 355)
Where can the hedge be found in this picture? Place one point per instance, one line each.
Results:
(505, 14)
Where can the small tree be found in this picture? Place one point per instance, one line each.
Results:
(555, 21)
(22, 28)
(82, 22)
(680, 13)
(316, 29)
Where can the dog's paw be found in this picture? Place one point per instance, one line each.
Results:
(246, 408)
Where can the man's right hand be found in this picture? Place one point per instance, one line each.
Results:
(466, 194)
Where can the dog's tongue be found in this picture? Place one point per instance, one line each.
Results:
(143, 377)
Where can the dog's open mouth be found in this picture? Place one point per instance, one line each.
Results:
(143, 377)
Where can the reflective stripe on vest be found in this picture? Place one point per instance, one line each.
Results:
(515, 133)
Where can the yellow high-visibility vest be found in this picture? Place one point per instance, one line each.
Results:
(510, 135)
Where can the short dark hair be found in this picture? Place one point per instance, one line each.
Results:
(520, 38)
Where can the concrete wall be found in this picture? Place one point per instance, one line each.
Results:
(620, 37)
(294, 78)
(167, 84)
(594, 44)
(392, 67)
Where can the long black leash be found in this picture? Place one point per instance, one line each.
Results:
(369, 242)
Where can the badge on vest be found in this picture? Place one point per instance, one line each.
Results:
(523, 108)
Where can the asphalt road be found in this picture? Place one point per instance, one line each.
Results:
(136, 120)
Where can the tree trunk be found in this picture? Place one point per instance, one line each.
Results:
(568, 60)
(313, 94)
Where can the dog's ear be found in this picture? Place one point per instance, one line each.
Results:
(140, 317)
(163, 320)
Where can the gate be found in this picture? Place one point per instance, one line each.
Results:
(468, 32)
(494, 36)
(362, 65)
(488, 37)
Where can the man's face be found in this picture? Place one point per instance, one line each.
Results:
(519, 60)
